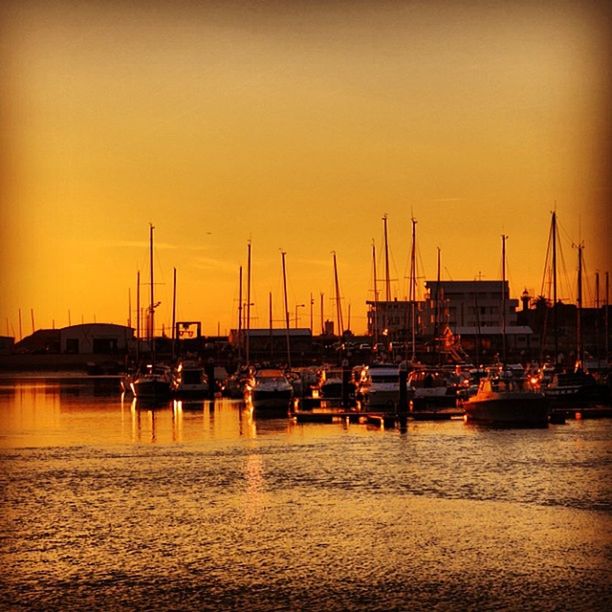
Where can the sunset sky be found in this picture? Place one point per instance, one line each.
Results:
(296, 125)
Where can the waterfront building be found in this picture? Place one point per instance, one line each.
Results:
(96, 338)
(271, 344)
(392, 320)
(6, 345)
(477, 313)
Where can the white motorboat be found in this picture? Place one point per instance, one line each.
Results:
(269, 392)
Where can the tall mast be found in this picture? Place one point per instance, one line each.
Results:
(283, 254)
(137, 315)
(437, 310)
(412, 292)
(607, 341)
(387, 278)
(477, 308)
(152, 296)
(554, 271)
(503, 288)
(579, 347)
(286, 310)
(270, 325)
(375, 317)
(338, 304)
(322, 315)
(248, 305)
(173, 313)
(597, 318)
(240, 315)
(129, 321)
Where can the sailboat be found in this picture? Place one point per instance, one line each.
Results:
(154, 383)
(578, 388)
(503, 398)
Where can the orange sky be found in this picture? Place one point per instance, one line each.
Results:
(296, 125)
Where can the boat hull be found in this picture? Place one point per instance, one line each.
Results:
(151, 388)
(382, 399)
(271, 403)
(519, 411)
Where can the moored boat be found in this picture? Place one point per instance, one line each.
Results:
(190, 380)
(432, 389)
(505, 400)
(269, 392)
(154, 383)
(378, 387)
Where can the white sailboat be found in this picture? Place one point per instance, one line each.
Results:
(154, 382)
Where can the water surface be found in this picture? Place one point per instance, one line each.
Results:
(109, 505)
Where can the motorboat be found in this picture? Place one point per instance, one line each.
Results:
(189, 379)
(502, 399)
(269, 392)
(335, 385)
(432, 389)
(575, 389)
(378, 387)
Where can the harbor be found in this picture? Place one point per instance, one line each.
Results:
(305, 306)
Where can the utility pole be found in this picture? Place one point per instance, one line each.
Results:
(311, 313)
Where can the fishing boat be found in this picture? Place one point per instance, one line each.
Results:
(190, 380)
(502, 399)
(269, 392)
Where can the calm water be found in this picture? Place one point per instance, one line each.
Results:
(106, 505)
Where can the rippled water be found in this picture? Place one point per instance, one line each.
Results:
(106, 505)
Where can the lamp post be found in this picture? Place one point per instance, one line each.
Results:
(296, 312)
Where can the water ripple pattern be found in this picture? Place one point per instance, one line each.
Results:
(109, 506)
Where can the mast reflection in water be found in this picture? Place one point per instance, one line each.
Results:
(107, 504)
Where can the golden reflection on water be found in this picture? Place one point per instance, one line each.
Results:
(56, 414)
(202, 498)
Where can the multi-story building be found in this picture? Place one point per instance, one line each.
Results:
(392, 319)
(477, 313)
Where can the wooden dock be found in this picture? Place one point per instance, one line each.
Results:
(384, 420)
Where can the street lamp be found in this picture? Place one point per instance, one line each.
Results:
(296, 312)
